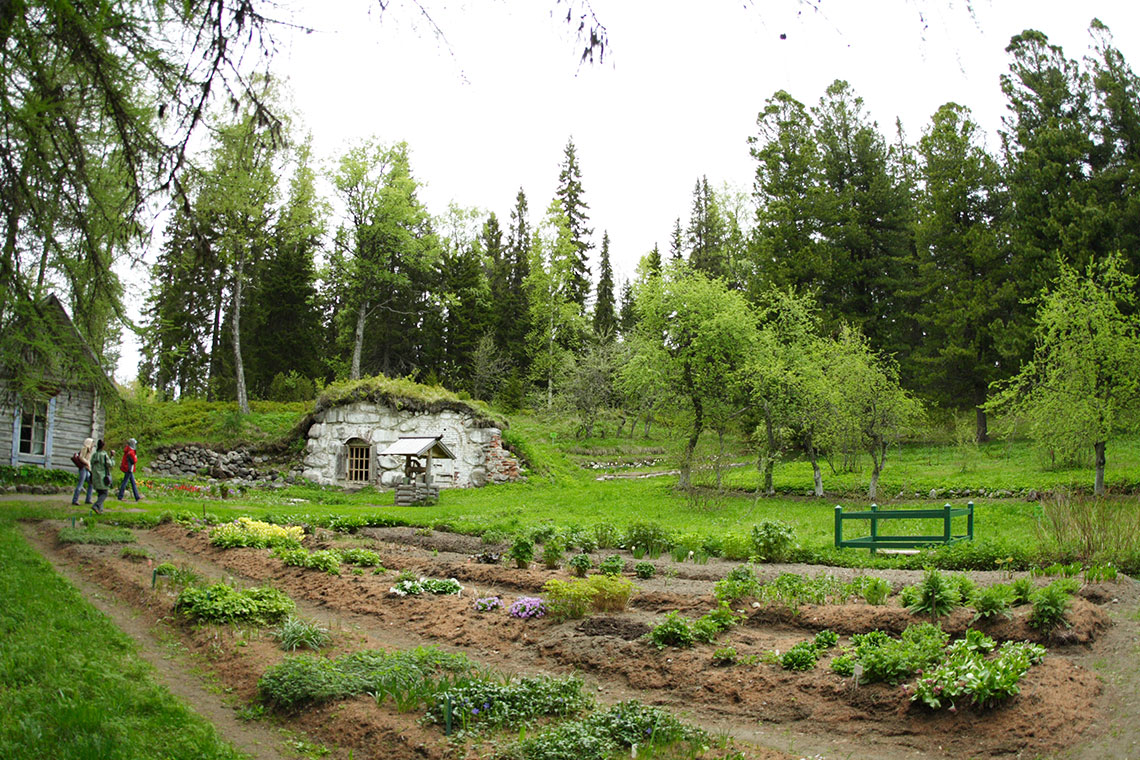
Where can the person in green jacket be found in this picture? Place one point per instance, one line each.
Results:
(101, 473)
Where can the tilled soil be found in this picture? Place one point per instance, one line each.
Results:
(1081, 702)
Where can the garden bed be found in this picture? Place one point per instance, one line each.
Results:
(811, 712)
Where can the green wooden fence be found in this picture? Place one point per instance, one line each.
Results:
(877, 541)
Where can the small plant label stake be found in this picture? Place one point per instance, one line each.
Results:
(857, 673)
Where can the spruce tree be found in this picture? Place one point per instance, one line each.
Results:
(574, 206)
(605, 319)
(706, 232)
(513, 313)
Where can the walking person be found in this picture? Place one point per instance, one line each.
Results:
(127, 465)
(101, 465)
(82, 460)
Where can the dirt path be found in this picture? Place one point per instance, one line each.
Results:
(1059, 714)
(173, 668)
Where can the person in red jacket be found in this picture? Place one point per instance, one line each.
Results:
(127, 465)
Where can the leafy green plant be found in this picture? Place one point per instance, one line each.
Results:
(1049, 607)
(552, 554)
(610, 733)
(522, 551)
(964, 587)
(580, 564)
(937, 596)
(772, 540)
(674, 631)
(245, 531)
(417, 586)
(1099, 573)
(221, 603)
(892, 660)
(485, 704)
(826, 639)
(360, 557)
(651, 537)
(644, 570)
(295, 633)
(843, 664)
(327, 560)
(612, 565)
(801, 656)
(724, 656)
(993, 600)
(966, 673)
(740, 583)
(1022, 591)
(177, 576)
(876, 590)
(610, 593)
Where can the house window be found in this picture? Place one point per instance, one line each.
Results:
(358, 464)
(33, 428)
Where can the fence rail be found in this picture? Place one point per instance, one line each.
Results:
(877, 541)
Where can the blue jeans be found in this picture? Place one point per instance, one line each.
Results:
(84, 477)
(101, 496)
(128, 477)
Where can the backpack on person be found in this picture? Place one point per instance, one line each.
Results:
(77, 459)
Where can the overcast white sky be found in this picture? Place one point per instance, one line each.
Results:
(490, 109)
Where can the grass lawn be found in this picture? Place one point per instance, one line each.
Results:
(71, 684)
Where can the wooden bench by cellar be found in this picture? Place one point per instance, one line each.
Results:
(877, 541)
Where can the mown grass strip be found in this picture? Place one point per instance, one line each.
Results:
(71, 683)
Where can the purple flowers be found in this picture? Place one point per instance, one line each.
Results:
(527, 607)
(488, 603)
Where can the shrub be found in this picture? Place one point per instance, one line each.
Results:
(327, 560)
(1049, 607)
(580, 564)
(221, 603)
(612, 565)
(876, 590)
(966, 673)
(993, 600)
(606, 535)
(291, 387)
(527, 607)
(296, 633)
(736, 547)
(644, 570)
(673, 631)
(650, 536)
(937, 596)
(568, 600)
(772, 540)
(801, 656)
(552, 554)
(522, 551)
(610, 593)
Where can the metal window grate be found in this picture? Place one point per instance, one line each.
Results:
(359, 464)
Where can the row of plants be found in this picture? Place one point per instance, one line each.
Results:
(330, 560)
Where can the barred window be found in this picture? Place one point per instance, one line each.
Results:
(358, 467)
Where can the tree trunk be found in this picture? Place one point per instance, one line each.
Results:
(685, 480)
(648, 422)
(770, 457)
(878, 458)
(981, 429)
(719, 458)
(1098, 487)
(817, 476)
(358, 341)
(215, 345)
(239, 367)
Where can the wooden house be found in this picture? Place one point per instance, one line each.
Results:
(44, 418)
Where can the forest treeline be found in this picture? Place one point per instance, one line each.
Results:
(935, 250)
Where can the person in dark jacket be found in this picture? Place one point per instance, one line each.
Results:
(101, 465)
(84, 465)
(127, 465)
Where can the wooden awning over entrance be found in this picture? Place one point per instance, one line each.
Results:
(430, 446)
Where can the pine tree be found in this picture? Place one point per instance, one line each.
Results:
(677, 242)
(574, 205)
(605, 320)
